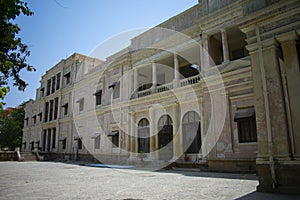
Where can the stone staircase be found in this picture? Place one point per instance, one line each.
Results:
(28, 156)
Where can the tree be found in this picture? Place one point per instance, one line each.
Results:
(11, 125)
(13, 53)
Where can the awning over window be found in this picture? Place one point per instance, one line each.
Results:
(244, 113)
(62, 138)
(113, 133)
(37, 142)
(98, 92)
(112, 85)
(80, 100)
(65, 105)
(77, 137)
(95, 135)
(67, 74)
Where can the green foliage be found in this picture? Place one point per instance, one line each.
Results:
(11, 125)
(13, 52)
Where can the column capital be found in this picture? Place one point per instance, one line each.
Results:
(269, 43)
(285, 37)
(223, 30)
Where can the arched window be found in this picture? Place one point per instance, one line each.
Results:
(143, 136)
(191, 131)
(165, 137)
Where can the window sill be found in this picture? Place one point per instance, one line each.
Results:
(247, 143)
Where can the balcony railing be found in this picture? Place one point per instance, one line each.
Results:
(189, 81)
(168, 86)
(144, 93)
(165, 87)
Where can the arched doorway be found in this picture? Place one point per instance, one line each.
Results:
(143, 136)
(165, 137)
(191, 131)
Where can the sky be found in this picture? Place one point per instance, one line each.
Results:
(59, 28)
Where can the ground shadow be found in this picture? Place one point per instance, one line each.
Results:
(261, 195)
(241, 176)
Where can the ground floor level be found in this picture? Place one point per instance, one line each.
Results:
(48, 180)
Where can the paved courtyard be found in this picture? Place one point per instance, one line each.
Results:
(49, 180)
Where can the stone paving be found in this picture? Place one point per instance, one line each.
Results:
(50, 180)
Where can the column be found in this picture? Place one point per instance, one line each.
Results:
(201, 57)
(122, 85)
(154, 77)
(225, 46)
(177, 148)
(132, 135)
(153, 134)
(207, 63)
(61, 80)
(292, 70)
(135, 81)
(176, 71)
(131, 83)
(57, 136)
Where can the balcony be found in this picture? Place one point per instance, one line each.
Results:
(168, 86)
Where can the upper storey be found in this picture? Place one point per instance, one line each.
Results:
(63, 74)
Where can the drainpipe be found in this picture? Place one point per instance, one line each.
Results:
(287, 105)
(267, 109)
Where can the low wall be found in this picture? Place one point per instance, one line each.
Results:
(232, 165)
(8, 156)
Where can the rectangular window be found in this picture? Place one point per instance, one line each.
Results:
(46, 111)
(67, 78)
(49, 140)
(64, 143)
(79, 143)
(97, 142)
(81, 104)
(246, 125)
(58, 81)
(98, 96)
(51, 110)
(298, 49)
(53, 138)
(40, 116)
(48, 87)
(44, 140)
(65, 106)
(53, 84)
(34, 119)
(42, 90)
(26, 121)
(55, 108)
(116, 92)
(115, 138)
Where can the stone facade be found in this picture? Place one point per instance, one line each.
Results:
(214, 85)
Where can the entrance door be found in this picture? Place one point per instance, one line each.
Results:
(165, 138)
(143, 136)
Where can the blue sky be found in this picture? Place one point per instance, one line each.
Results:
(61, 27)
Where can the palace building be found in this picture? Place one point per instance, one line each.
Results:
(214, 87)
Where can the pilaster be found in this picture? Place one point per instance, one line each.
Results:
(292, 77)
(153, 134)
(177, 148)
(133, 137)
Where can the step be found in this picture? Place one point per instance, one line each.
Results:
(27, 156)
